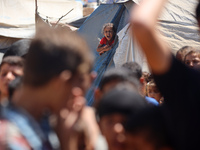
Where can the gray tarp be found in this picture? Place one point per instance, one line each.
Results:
(178, 24)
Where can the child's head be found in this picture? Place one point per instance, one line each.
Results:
(114, 109)
(109, 31)
(148, 130)
(192, 59)
(10, 68)
(113, 77)
(54, 51)
(135, 68)
(152, 91)
(180, 54)
(57, 60)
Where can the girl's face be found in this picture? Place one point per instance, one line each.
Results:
(153, 92)
(108, 33)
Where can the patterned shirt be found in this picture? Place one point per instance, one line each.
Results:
(19, 131)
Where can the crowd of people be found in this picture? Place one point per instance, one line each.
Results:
(43, 83)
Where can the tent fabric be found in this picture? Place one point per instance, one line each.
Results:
(177, 25)
(17, 17)
(79, 22)
(92, 32)
(117, 1)
(127, 51)
(5, 42)
(179, 35)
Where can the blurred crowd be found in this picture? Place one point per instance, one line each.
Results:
(43, 83)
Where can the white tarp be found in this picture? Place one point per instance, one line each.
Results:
(128, 51)
(17, 17)
(124, 52)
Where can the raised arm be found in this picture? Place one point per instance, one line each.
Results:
(144, 20)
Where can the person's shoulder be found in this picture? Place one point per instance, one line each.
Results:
(103, 40)
(151, 101)
(11, 137)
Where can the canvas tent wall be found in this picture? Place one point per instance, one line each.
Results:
(17, 17)
(177, 24)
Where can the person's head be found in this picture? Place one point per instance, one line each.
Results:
(146, 77)
(148, 131)
(192, 59)
(136, 72)
(109, 31)
(57, 61)
(10, 68)
(111, 78)
(19, 48)
(114, 109)
(180, 54)
(152, 91)
(135, 68)
(198, 13)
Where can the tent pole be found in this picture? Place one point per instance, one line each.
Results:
(36, 11)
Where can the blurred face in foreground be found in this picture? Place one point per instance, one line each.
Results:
(7, 74)
(141, 142)
(138, 142)
(113, 130)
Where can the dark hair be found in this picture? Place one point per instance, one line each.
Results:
(19, 48)
(198, 12)
(151, 122)
(53, 51)
(136, 70)
(147, 76)
(117, 74)
(121, 99)
(13, 61)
